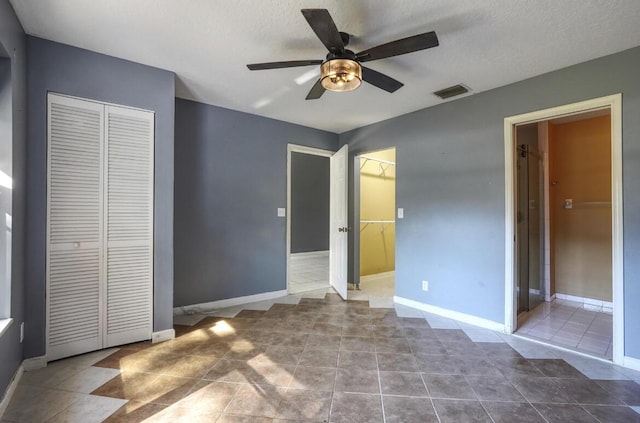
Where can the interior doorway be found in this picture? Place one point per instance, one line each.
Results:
(308, 219)
(377, 198)
(565, 248)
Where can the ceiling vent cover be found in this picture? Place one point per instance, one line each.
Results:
(452, 91)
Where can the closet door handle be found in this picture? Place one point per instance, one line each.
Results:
(344, 229)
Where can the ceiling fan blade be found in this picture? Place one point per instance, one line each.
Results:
(278, 65)
(316, 91)
(325, 28)
(398, 47)
(380, 80)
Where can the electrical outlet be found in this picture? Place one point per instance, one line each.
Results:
(425, 285)
(21, 332)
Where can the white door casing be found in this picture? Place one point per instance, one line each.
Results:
(614, 103)
(338, 222)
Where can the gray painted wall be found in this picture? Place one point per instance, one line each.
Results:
(13, 45)
(230, 178)
(309, 203)
(450, 182)
(59, 68)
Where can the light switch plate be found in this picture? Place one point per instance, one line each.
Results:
(400, 213)
(282, 212)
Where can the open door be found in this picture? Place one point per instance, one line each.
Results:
(338, 225)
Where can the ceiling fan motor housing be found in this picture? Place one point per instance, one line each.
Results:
(341, 74)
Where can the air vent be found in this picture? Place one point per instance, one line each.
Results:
(452, 91)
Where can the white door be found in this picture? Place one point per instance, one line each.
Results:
(99, 226)
(74, 227)
(338, 224)
(129, 225)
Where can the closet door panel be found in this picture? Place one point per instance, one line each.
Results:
(129, 225)
(74, 226)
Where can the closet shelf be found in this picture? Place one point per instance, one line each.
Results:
(383, 164)
(384, 223)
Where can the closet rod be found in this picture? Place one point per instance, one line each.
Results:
(378, 160)
(382, 222)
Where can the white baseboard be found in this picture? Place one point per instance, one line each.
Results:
(377, 276)
(311, 254)
(162, 335)
(631, 363)
(455, 315)
(588, 303)
(548, 298)
(34, 363)
(230, 302)
(560, 348)
(8, 394)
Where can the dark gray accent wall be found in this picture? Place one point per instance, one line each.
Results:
(450, 182)
(63, 69)
(13, 47)
(309, 203)
(230, 178)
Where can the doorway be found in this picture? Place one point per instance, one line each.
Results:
(337, 228)
(308, 240)
(564, 227)
(377, 198)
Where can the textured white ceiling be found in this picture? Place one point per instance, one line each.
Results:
(483, 44)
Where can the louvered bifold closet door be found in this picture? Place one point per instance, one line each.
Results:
(129, 227)
(74, 226)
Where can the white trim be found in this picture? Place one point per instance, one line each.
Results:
(4, 325)
(377, 276)
(311, 254)
(229, 302)
(614, 103)
(631, 363)
(8, 394)
(106, 103)
(560, 348)
(584, 300)
(617, 229)
(162, 335)
(34, 363)
(295, 148)
(455, 315)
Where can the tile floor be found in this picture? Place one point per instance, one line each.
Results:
(320, 359)
(566, 323)
(308, 272)
(377, 289)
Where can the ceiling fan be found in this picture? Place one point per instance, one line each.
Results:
(341, 70)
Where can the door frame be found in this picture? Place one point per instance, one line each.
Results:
(356, 208)
(295, 148)
(614, 103)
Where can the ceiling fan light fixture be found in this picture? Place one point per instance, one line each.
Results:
(341, 75)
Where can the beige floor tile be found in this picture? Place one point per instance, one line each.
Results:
(88, 379)
(89, 409)
(135, 412)
(176, 414)
(34, 404)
